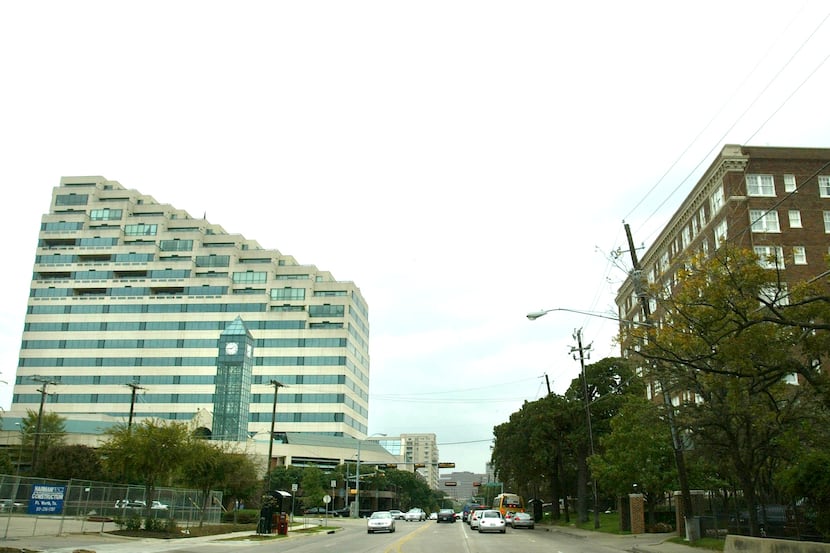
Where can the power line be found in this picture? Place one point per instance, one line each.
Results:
(740, 117)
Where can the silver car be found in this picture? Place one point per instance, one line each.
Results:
(473, 519)
(414, 514)
(380, 521)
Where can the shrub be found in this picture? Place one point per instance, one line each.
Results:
(243, 516)
(133, 523)
(156, 524)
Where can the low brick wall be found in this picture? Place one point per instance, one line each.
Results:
(746, 544)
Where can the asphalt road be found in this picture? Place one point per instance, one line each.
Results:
(351, 537)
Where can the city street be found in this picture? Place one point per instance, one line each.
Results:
(351, 535)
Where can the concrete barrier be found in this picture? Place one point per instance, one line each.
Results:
(746, 544)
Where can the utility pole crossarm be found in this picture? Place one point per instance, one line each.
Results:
(134, 387)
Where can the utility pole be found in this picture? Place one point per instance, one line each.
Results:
(277, 385)
(581, 350)
(39, 428)
(133, 386)
(677, 444)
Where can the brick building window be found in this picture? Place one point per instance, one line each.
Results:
(795, 218)
(799, 255)
(764, 221)
(760, 185)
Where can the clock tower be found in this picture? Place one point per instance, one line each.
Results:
(232, 395)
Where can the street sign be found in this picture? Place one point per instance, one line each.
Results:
(327, 499)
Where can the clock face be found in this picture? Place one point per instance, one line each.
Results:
(231, 348)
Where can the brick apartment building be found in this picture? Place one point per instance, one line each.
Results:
(775, 201)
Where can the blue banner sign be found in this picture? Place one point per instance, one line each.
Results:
(46, 500)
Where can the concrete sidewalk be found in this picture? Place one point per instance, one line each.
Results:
(94, 539)
(638, 543)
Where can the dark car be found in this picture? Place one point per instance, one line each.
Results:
(445, 515)
(315, 511)
(344, 512)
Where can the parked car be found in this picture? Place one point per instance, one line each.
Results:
(433, 516)
(380, 521)
(315, 511)
(491, 521)
(140, 504)
(522, 520)
(473, 518)
(9, 505)
(396, 514)
(130, 504)
(344, 512)
(414, 514)
(445, 515)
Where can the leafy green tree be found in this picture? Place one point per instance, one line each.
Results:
(722, 352)
(411, 489)
(65, 462)
(7, 466)
(313, 487)
(282, 478)
(214, 465)
(637, 452)
(206, 468)
(149, 453)
(531, 452)
(810, 479)
(241, 480)
(52, 433)
(606, 384)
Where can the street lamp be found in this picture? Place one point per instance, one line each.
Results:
(357, 482)
(542, 312)
(578, 336)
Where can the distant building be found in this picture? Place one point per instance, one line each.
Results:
(421, 452)
(463, 486)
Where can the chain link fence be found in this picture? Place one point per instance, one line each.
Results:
(33, 506)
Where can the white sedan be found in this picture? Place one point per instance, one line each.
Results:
(380, 521)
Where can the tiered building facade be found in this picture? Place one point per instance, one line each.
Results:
(129, 298)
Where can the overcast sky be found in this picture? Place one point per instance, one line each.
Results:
(463, 163)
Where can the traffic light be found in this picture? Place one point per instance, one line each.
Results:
(419, 465)
(446, 465)
(387, 466)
